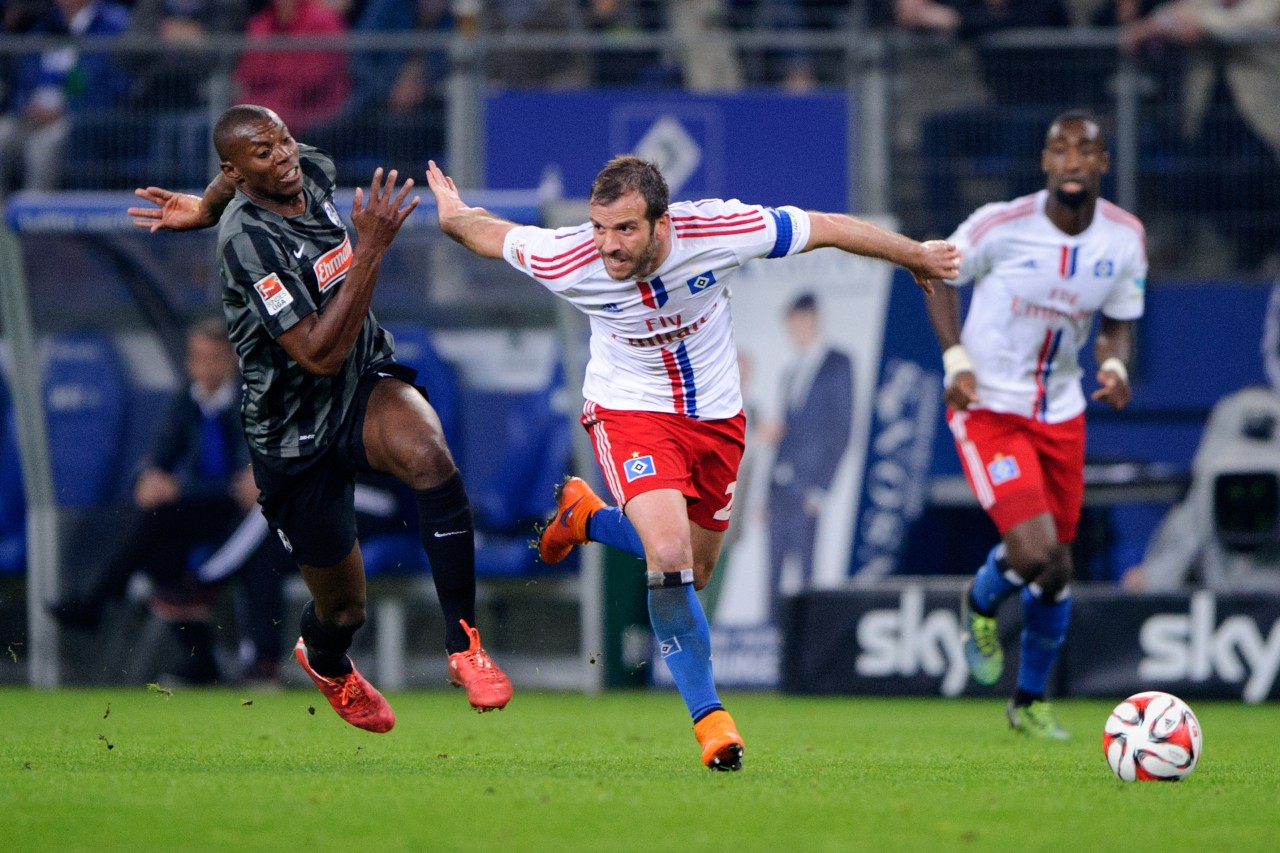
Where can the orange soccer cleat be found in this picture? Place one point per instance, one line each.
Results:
(487, 686)
(575, 504)
(351, 695)
(721, 744)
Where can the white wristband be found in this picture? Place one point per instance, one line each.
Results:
(955, 360)
(1116, 366)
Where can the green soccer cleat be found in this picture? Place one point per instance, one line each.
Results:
(981, 640)
(1035, 720)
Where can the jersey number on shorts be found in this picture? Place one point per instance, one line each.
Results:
(723, 513)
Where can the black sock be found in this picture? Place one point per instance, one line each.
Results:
(195, 641)
(448, 537)
(1022, 698)
(326, 644)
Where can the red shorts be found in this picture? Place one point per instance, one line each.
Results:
(642, 451)
(1019, 468)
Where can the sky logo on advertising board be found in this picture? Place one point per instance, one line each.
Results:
(1192, 647)
(907, 641)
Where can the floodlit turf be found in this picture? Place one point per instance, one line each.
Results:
(132, 769)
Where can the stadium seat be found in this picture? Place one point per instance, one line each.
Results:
(415, 348)
(85, 393)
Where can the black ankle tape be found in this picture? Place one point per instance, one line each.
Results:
(658, 580)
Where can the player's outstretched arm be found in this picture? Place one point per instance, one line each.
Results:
(474, 227)
(183, 211)
(926, 261)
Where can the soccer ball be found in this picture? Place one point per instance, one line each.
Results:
(1152, 736)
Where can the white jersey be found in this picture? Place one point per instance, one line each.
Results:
(1035, 295)
(665, 343)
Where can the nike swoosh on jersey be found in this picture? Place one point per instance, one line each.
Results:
(440, 535)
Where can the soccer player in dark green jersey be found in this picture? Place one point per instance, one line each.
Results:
(324, 396)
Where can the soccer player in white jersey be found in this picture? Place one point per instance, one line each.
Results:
(663, 403)
(1041, 267)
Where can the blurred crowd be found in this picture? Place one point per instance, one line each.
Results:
(1212, 94)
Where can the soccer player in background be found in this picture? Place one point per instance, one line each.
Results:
(1041, 267)
(663, 399)
(325, 398)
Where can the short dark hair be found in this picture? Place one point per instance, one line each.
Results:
(227, 128)
(626, 173)
(213, 328)
(1081, 116)
(804, 302)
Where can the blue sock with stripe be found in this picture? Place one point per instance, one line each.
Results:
(684, 639)
(1044, 628)
(993, 583)
(609, 526)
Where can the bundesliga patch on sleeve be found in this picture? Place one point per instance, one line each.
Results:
(517, 253)
(275, 296)
(639, 466)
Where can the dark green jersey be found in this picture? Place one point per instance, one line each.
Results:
(275, 271)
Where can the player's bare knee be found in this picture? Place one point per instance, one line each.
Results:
(426, 463)
(671, 556)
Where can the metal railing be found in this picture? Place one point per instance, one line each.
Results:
(942, 126)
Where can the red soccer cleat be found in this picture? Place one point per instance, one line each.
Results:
(352, 696)
(721, 744)
(575, 504)
(487, 686)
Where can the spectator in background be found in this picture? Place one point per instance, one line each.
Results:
(194, 492)
(53, 87)
(707, 64)
(1026, 87)
(622, 18)
(305, 88)
(1229, 110)
(395, 111)
(175, 78)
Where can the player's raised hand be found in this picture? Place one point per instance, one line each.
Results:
(1114, 389)
(378, 222)
(172, 211)
(474, 227)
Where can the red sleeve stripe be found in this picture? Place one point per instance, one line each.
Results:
(551, 264)
(570, 251)
(587, 260)
(723, 232)
(1022, 207)
(750, 214)
(1118, 214)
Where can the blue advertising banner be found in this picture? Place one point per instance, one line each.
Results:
(761, 147)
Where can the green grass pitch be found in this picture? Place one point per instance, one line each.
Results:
(227, 769)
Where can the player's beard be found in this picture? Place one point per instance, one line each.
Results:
(642, 265)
